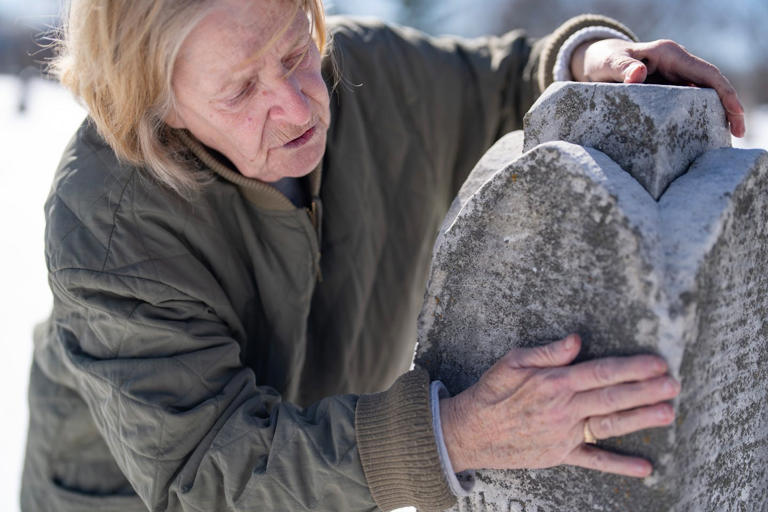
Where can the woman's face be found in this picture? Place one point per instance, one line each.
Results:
(269, 114)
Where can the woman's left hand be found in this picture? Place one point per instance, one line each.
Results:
(615, 60)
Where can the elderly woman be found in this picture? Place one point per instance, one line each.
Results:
(203, 355)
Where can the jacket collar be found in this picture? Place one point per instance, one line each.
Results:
(256, 191)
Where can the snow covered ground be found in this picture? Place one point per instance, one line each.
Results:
(757, 129)
(30, 147)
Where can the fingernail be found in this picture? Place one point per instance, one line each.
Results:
(643, 470)
(570, 342)
(663, 413)
(633, 69)
(671, 386)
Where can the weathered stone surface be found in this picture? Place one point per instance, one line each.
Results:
(715, 238)
(563, 240)
(653, 132)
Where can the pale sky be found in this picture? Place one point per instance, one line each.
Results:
(723, 43)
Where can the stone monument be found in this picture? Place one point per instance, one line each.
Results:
(622, 214)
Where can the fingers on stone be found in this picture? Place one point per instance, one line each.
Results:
(731, 98)
(668, 49)
(544, 356)
(707, 74)
(571, 342)
(547, 355)
(738, 125)
(733, 107)
(652, 49)
(619, 424)
(615, 370)
(591, 457)
(670, 58)
(622, 397)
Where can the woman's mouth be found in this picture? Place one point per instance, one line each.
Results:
(301, 139)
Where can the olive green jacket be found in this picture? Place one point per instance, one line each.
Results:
(224, 353)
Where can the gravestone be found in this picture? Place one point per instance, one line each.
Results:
(662, 251)
(654, 133)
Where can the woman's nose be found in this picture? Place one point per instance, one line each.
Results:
(291, 103)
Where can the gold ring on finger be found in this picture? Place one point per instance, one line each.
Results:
(589, 437)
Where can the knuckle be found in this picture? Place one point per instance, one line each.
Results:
(547, 354)
(634, 50)
(624, 62)
(602, 371)
(607, 426)
(667, 44)
(554, 382)
(609, 397)
(711, 68)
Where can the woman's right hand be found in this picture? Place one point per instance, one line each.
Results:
(529, 409)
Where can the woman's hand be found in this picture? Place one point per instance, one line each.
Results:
(615, 60)
(529, 409)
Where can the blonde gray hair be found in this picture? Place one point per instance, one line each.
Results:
(117, 57)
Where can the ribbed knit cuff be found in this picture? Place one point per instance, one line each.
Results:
(563, 32)
(397, 446)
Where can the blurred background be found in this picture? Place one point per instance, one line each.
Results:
(37, 118)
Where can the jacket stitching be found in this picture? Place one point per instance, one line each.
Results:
(119, 348)
(66, 270)
(173, 358)
(80, 223)
(288, 491)
(160, 450)
(114, 220)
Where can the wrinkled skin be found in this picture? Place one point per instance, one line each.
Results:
(258, 99)
(529, 410)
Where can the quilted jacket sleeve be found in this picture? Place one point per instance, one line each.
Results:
(183, 418)
(144, 333)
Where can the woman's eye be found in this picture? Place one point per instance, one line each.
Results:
(241, 94)
(295, 60)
